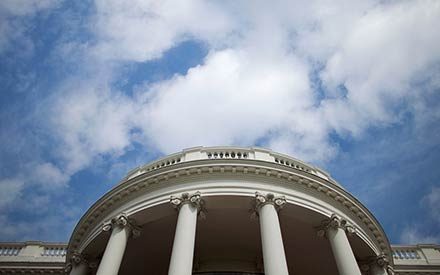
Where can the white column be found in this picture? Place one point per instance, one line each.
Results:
(79, 269)
(344, 257)
(78, 265)
(274, 258)
(114, 251)
(184, 238)
(378, 270)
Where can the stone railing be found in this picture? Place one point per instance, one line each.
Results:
(10, 249)
(416, 254)
(222, 153)
(164, 162)
(407, 253)
(33, 252)
(228, 153)
(299, 165)
(54, 250)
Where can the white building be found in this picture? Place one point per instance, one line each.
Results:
(224, 210)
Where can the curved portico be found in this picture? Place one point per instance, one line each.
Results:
(245, 210)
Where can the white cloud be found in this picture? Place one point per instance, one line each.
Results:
(235, 98)
(50, 227)
(13, 14)
(142, 30)
(254, 85)
(432, 201)
(10, 190)
(26, 7)
(91, 120)
(44, 175)
(411, 235)
(48, 175)
(386, 50)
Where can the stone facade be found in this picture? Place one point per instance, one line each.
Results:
(224, 209)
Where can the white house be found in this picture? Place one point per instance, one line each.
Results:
(224, 210)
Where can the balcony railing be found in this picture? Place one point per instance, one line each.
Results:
(54, 251)
(10, 250)
(416, 254)
(222, 153)
(406, 253)
(33, 252)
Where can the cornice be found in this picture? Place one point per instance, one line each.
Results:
(220, 167)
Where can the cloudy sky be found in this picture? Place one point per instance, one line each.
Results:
(91, 89)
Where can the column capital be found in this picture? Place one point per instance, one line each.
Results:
(121, 227)
(269, 198)
(75, 260)
(274, 256)
(194, 199)
(335, 222)
(122, 221)
(380, 261)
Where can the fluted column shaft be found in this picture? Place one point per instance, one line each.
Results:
(114, 251)
(182, 255)
(274, 257)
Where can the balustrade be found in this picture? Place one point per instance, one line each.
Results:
(54, 251)
(228, 153)
(10, 250)
(416, 254)
(405, 254)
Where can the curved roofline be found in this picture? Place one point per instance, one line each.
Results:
(193, 161)
(225, 152)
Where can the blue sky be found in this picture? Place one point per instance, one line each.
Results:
(92, 89)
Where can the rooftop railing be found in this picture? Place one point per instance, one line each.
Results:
(55, 251)
(10, 250)
(32, 252)
(416, 254)
(222, 153)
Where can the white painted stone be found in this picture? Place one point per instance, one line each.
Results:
(184, 239)
(378, 270)
(342, 252)
(114, 251)
(274, 257)
(79, 269)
